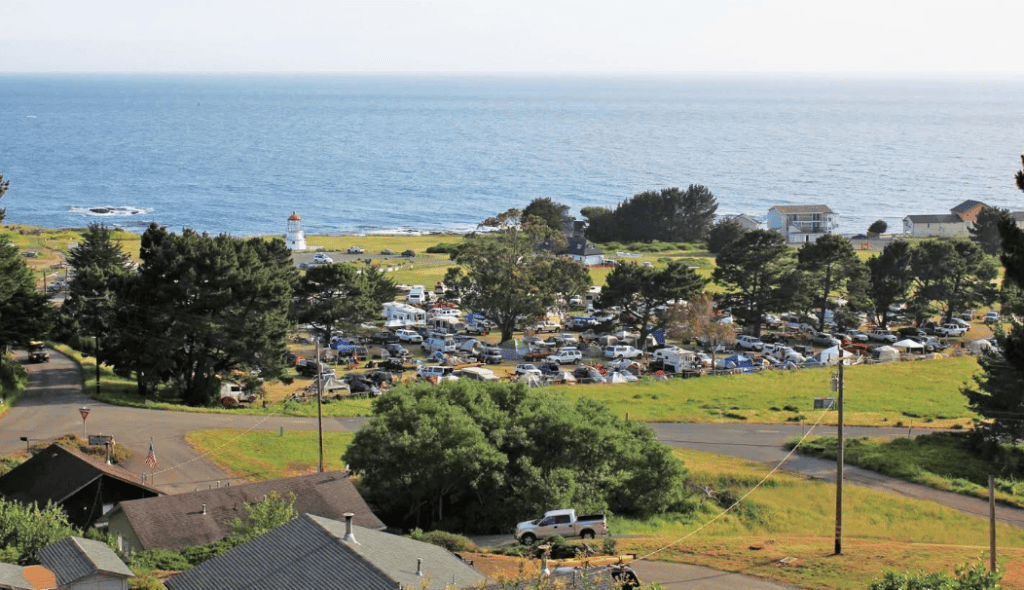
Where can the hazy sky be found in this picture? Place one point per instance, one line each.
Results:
(501, 36)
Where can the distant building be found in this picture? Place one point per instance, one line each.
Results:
(955, 224)
(745, 221)
(802, 224)
(295, 239)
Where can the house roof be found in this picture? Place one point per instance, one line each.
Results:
(581, 247)
(942, 218)
(75, 558)
(177, 521)
(56, 473)
(310, 552)
(12, 577)
(1017, 215)
(791, 209)
(967, 206)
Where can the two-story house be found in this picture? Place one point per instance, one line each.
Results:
(802, 224)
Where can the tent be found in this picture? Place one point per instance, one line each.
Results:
(909, 345)
(738, 361)
(980, 346)
(885, 354)
(830, 357)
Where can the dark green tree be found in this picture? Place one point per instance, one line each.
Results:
(668, 215)
(4, 185)
(890, 279)
(756, 270)
(547, 210)
(640, 291)
(985, 230)
(829, 264)
(507, 276)
(333, 296)
(951, 276)
(878, 227)
(722, 234)
(600, 223)
(207, 306)
(476, 457)
(99, 263)
(25, 313)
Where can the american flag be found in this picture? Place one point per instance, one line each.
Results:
(151, 457)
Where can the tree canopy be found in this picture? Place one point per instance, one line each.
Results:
(722, 234)
(99, 264)
(641, 290)
(332, 296)
(4, 185)
(508, 276)
(878, 227)
(201, 307)
(25, 313)
(953, 274)
(985, 229)
(547, 210)
(831, 266)
(482, 456)
(668, 215)
(890, 279)
(754, 271)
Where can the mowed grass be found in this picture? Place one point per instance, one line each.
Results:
(265, 455)
(922, 393)
(790, 516)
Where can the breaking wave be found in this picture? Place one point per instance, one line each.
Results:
(124, 211)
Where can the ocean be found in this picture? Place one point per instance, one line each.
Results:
(364, 154)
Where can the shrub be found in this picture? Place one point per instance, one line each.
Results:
(442, 248)
(450, 541)
(158, 559)
(966, 578)
(556, 548)
(145, 581)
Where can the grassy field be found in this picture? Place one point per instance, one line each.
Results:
(939, 460)
(787, 516)
(262, 455)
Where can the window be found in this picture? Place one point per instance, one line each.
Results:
(562, 519)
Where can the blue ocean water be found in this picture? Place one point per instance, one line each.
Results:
(352, 154)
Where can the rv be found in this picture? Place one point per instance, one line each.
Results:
(403, 315)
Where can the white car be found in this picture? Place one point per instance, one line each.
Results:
(409, 336)
(356, 250)
(746, 342)
(992, 317)
(528, 370)
(321, 258)
(621, 351)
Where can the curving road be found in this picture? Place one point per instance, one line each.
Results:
(49, 408)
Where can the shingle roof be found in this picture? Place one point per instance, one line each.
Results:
(56, 473)
(310, 552)
(790, 209)
(177, 521)
(966, 206)
(934, 218)
(12, 577)
(75, 558)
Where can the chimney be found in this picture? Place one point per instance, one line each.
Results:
(419, 567)
(349, 537)
(204, 508)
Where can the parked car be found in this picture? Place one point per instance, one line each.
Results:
(950, 330)
(356, 250)
(621, 351)
(857, 335)
(882, 336)
(561, 522)
(321, 258)
(745, 342)
(545, 326)
(823, 339)
(566, 339)
(566, 356)
(384, 337)
(492, 355)
(992, 317)
(436, 371)
(396, 350)
(387, 252)
(411, 336)
(527, 369)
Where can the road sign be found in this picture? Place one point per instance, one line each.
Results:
(84, 411)
(101, 439)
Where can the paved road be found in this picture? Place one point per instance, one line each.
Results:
(678, 576)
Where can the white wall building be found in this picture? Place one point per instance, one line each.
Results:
(295, 239)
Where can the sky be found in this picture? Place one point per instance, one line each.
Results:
(513, 37)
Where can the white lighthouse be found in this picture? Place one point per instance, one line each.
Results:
(296, 239)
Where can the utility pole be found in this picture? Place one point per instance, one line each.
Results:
(319, 397)
(992, 522)
(839, 462)
(97, 337)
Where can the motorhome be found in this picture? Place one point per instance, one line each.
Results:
(403, 315)
(417, 295)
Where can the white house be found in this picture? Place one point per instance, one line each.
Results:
(955, 224)
(584, 252)
(745, 221)
(802, 224)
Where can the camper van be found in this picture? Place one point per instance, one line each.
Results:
(417, 295)
(403, 315)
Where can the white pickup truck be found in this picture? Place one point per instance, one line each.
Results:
(561, 522)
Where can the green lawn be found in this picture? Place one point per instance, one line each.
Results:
(263, 455)
(939, 460)
(924, 393)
